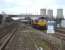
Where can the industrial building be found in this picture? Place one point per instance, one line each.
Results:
(50, 13)
(43, 12)
(60, 13)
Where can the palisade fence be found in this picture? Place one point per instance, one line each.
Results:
(55, 43)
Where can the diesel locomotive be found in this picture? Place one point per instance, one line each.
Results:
(40, 24)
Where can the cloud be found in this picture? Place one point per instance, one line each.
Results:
(42, 3)
(30, 6)
(60, 2)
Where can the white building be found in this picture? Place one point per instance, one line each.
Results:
(50, 27)
(43, 12)
(60, 13)
(63, 23)
(50, 13)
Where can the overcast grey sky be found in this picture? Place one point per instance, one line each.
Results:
(30, 6)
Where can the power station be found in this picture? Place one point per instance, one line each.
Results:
(50, 13)
(43, 12)
(60, 13)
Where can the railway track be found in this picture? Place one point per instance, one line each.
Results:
(60, 33)
(55, 41)
(5, 35)
(22, 40)
(60, 30)
(58, 39)
(26, 39)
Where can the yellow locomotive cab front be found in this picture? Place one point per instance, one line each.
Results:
(42, 23)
